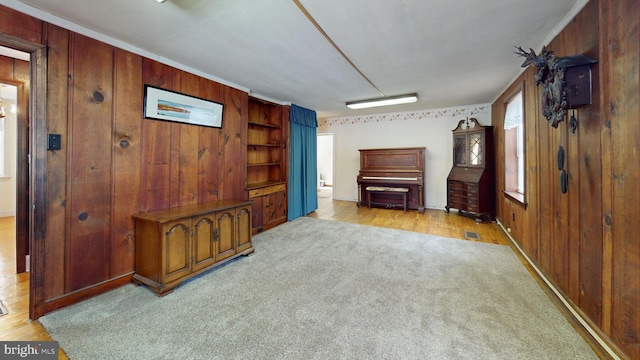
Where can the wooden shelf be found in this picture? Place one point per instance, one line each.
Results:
(266, 145)
(267, 133)
(260, 185)
(265, 164)
(255, 123)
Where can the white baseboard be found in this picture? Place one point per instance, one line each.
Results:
(567, 304)
(7, 213)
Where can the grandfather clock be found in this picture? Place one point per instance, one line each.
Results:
(471, 181)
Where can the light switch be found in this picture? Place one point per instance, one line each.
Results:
(54, 142)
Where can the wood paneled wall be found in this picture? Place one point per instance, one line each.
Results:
(113, 162)
(586, 241)
(119, 164)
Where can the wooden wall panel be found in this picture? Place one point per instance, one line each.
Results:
(497, 112)
(57, 109)
(587, 238)
(6, 68)
(21, 70)
(232, 172)
(19, 25)
(126, 141)
(567, 41)
(156, 145)
(559, 256)
(623, 113)
(188, 149)
(604, 79)
(547, 177)
(208, 154)
(530, 215)
(173, 181)
(89, 183)
(558, 249)
(587, 266)
(156, 171)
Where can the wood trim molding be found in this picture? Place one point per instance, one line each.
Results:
(37, 167)
(516, 198)
(86, 293)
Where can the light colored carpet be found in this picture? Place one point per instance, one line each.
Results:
(318, 289)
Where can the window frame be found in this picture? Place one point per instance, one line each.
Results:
(511, 155)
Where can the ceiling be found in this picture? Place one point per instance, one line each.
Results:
(451, 52)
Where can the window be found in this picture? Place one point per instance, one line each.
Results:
(514, 164)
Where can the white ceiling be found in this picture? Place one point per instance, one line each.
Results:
(451, 52)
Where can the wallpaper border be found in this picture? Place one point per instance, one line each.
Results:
(463, 111)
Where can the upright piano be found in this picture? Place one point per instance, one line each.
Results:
(394, 168)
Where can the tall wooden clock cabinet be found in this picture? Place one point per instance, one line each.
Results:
(471, 181)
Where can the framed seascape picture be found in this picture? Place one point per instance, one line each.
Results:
(169, 105)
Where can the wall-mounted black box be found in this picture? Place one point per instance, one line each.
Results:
(578, 86)
(54, 142)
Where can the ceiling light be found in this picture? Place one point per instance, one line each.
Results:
(161, 1)
(384, 101)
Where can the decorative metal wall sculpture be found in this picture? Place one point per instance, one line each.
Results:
(563, 87)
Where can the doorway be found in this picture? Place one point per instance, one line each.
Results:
(8, 147)
(28, 74)
(14, 148)
(325, 165)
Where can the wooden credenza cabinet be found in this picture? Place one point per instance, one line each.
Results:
(175, 244)
(471, 181)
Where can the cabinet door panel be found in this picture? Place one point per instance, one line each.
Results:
(460, 150)
(243, 231)
(257, 212)
(476, 149)
(268, 206)
(226, 244)
(177, 250)
(280, 204)
(203, 245)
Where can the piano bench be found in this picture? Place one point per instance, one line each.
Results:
(387, 190)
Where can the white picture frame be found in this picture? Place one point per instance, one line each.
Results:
(161, 104)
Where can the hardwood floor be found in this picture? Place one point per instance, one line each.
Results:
(14, 288)
(435, 222)
(14, 293)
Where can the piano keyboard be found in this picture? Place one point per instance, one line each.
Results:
(388, 178)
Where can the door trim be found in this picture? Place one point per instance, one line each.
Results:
(37, 167)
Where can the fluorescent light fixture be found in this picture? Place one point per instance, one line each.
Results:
(384, 101)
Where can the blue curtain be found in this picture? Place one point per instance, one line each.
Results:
(303, 192)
